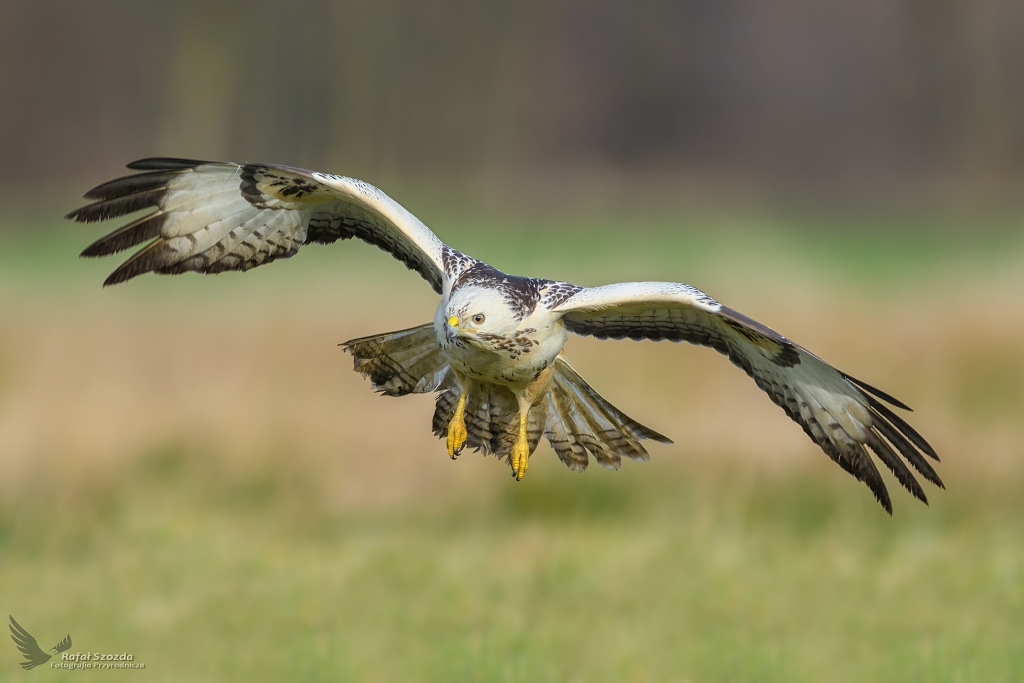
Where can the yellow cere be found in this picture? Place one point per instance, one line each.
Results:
(453, 321)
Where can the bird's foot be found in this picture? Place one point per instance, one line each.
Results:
(457, 429)
(520, 456)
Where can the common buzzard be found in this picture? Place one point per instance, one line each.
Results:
(493, 353)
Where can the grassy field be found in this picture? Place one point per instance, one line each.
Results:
(190, 472)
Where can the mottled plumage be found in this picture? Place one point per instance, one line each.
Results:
(493, 353)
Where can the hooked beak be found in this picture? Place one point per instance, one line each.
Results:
(451, 331)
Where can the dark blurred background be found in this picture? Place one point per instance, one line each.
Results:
(191, 472)
(866, 100)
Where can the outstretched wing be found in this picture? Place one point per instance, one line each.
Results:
(843, 415)
(211, 217)
(28, 646)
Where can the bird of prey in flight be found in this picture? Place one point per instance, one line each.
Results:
(493, 353)
(27, 645)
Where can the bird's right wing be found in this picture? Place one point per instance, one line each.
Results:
(843, 415)
(28, 646)
(211, 217)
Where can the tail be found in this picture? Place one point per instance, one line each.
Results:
(579, 420)
(573, 417)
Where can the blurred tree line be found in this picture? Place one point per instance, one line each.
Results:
(788, 89)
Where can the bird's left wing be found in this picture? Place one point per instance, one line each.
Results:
(843, 415)
(211, 217)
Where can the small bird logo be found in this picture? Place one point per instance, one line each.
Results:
(34, 656)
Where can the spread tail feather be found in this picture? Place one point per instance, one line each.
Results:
(573, 417)
(580, 420)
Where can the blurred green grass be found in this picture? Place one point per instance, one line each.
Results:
(602, 577)
(700, 568)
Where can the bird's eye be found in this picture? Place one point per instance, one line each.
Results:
(478, 319)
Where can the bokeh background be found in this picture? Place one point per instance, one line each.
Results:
(191, 472)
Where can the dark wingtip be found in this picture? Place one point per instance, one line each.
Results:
(882, 496)
(874, 482)
(124, 273)
(902, 426)
(164, 164)
(132, 184)
(878, 392)
(117, 206)
(884, 502)
(135, 233)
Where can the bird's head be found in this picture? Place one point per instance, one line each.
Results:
(475, 312)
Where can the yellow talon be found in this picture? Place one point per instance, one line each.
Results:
(521, 451)
(457, 429)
